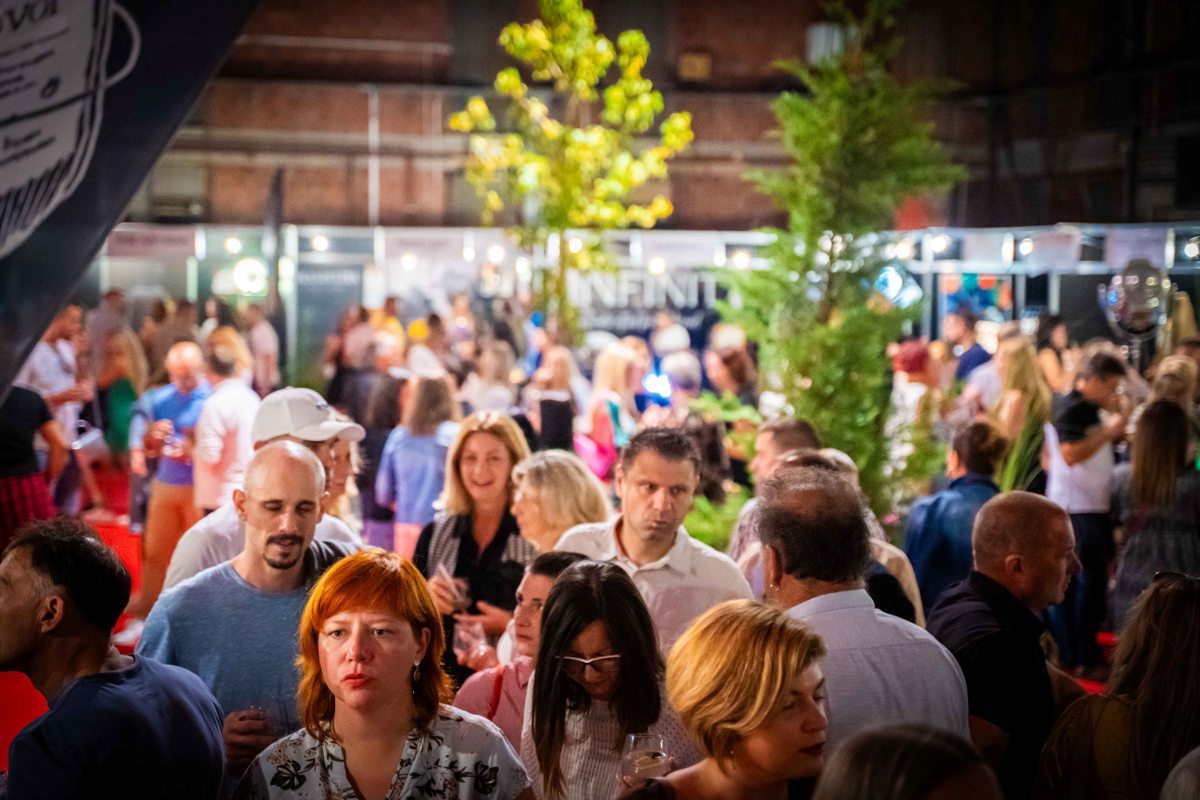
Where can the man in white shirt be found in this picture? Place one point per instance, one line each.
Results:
(223, 444)
(264, 345)
(679, 577)
(291, 414)
(879, 668)
(50, 371)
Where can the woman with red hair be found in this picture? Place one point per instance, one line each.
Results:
(373, 700)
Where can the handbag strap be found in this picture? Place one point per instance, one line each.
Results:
(497, 688)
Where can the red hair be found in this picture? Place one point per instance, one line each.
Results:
(377, 580)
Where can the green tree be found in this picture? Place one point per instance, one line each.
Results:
(572, 171)
(858, 143)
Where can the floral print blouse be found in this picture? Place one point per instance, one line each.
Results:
(458, 757)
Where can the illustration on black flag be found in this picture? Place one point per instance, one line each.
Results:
(52, 60)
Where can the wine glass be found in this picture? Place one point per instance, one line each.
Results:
(644, 756)
(468, 637)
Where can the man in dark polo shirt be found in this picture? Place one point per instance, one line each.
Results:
(1024, 553)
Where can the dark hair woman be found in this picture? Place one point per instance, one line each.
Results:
(1156, 501)
(599, 678)
(1124, 742)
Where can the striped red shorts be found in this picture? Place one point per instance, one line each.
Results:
(23, 499)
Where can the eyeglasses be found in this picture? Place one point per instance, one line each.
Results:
(604, 665)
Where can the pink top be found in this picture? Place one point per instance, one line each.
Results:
(478, 696)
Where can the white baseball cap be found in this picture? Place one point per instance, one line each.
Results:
(301, 413)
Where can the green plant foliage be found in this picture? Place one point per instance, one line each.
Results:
(571, 171)
(858, 143)
(713, 524)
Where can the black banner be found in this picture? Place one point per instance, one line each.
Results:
(93, 92)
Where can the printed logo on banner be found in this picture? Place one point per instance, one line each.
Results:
(52, 58)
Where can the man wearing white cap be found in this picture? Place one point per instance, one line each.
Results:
(291, 414)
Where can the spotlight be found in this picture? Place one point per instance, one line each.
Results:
(320, 243)
(1192, 249)
(250, 276)
(495, 253)
(905, 250)
(522, 266)
(408, 261)
(940, 243)
(1025, 247)
(657, 265)
(233, 245)
(741, 259)
(575, 244)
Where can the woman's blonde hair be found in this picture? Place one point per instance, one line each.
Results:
(567, 491)
(455, 497)
(1022, 374)
(611, 373)
(1175, 380)
(133, 357)
(501, 353)
(376, 580)
(729, 672)
(226, 336)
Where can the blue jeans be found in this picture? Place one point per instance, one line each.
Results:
(1085, 605)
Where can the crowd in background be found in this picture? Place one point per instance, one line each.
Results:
(462, 568)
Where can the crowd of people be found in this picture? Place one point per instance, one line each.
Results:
(463, 568)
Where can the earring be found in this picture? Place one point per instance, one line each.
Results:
(416, 672)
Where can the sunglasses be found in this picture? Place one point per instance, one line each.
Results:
(1170, 575)
(604, 665)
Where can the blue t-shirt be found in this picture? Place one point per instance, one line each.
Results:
(239, 639)
(412, 472)
(975, 356)
(147, 731)
(166, 402)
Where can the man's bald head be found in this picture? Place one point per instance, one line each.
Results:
(1025, 542)
(185, 365)
(273, 460)
(1013, 523)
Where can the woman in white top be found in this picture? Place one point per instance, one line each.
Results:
(599, 678)
(372, 698)
(489, 387)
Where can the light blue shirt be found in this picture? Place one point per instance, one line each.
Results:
(880, 669)
(239, 639)
(412, 472)
(167, 402)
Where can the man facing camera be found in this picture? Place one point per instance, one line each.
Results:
(115, 722)
(235, 624)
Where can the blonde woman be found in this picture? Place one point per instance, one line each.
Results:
(227, 336)
(745, 681)
(612, 410)
(472, 554)
(122, 376)
(489, 387)
(555, 492)
(1025, 396)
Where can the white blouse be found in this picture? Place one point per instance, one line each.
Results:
(458, 757)
(590, 759)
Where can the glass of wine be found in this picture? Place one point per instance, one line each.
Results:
(468, 637)
(644, 756)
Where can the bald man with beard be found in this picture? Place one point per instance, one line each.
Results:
(235, 624)
(1024, 557)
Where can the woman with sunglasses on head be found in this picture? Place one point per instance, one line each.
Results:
(599, 678)
(1124, 742)
(745, 680)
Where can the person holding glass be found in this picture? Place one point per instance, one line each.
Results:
(499, 693)
(373, 700)
(472, 554)
(598, 680)
(745, 680)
